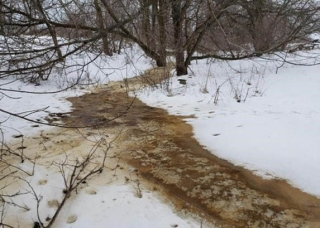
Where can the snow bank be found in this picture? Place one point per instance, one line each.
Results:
(95, 71)
(254, 114)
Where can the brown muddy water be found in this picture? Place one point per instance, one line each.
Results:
(162, 149)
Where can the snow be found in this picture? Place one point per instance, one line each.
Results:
(118, 207)
(112, 205)
(115, 204)
(255, 113)
(101, 70)
(275, 128)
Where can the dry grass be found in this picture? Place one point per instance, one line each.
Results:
(157, 77)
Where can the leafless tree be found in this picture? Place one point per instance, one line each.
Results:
(186, 26)
(24, 21)
(232, 30)
(40, 38)
(253, 28)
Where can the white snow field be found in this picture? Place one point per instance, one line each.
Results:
(255, 113)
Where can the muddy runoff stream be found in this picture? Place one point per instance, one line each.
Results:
(162, 149)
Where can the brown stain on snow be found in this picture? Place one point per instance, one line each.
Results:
(162, 148)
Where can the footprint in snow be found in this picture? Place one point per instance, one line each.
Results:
(72, 219)
(42, 182)
(53, 203)
(90, 191)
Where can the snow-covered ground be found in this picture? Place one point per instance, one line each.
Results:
(101, 205)
(101, 70)
(256, 113)
(249, 112)
(98, 206)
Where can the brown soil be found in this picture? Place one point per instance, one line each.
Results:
(162, 148)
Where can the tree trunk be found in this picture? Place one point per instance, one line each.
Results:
(257, 28)
(177, 18)
(129, 35)
(146, 33)
(51, 29)
(105, 42)
(1, 19)
(162, 34)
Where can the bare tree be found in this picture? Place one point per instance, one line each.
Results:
(24, 21)
(38, 40)
(244, 29)
(101, 23)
